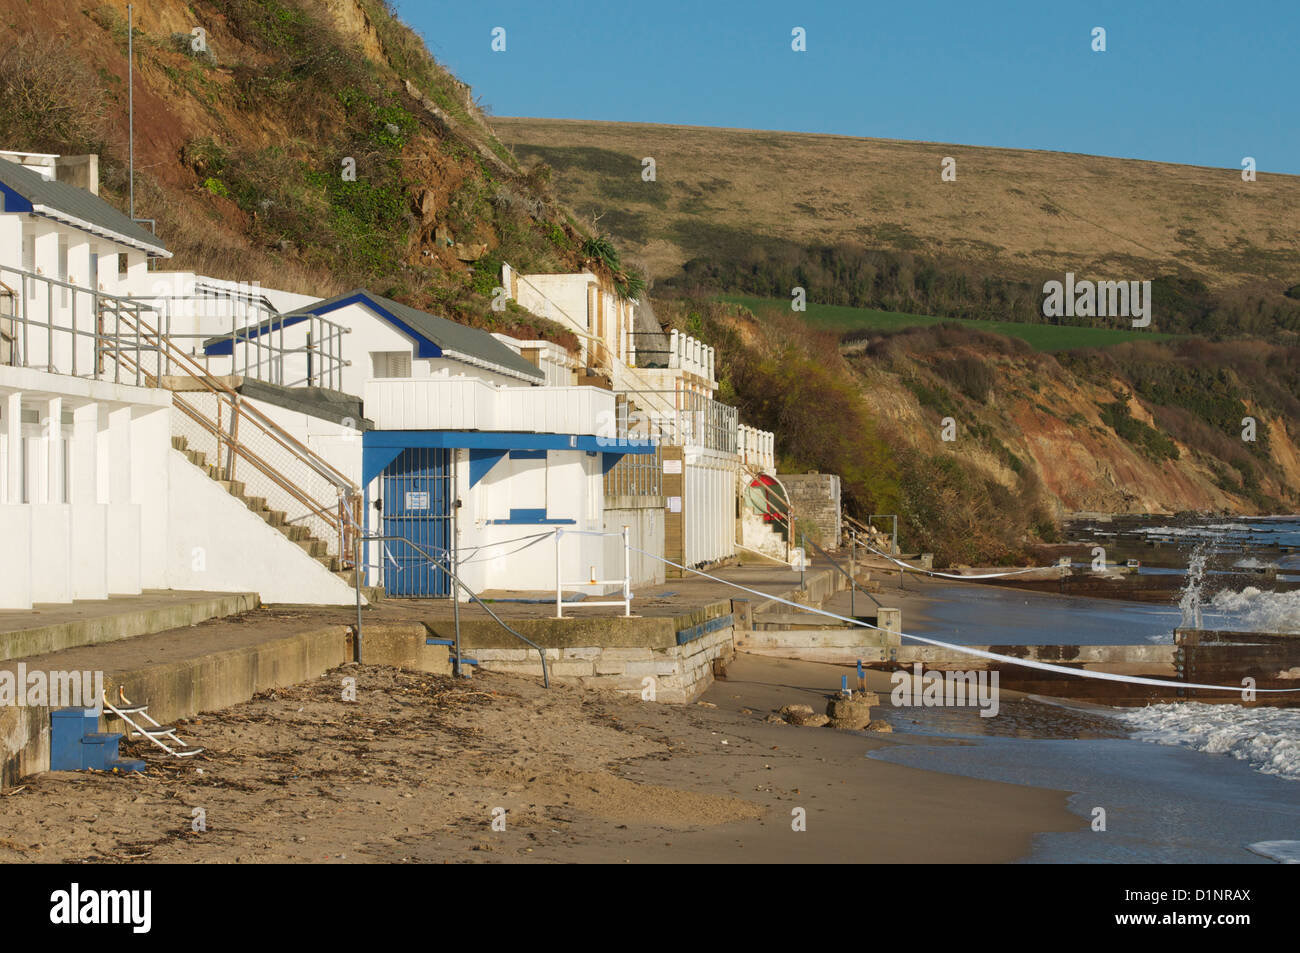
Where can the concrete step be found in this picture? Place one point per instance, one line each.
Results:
(180, 443)
(277, 519)
(372, 594)
(313, 546)
(52, 628)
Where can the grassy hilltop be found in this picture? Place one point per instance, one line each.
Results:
(868, 222)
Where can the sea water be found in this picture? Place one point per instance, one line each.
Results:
(1179, 783)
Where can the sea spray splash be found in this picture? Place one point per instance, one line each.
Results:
(1192, 597)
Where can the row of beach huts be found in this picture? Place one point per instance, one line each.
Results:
(168, 430)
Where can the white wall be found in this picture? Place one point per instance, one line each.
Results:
(644, 518)
(710, 506)
(83, 506)
(464, 403)
(570, 487)
(217, 544)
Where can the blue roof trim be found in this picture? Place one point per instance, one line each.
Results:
(481, 463)
(226, 346)
(14, 201)
(375, 459)
(423, 346)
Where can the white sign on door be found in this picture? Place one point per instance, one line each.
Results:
(417, 500)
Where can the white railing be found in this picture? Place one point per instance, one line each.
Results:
(757, 448)
(675, 416)
(67, 329)
(625, 582)
(690, 354)
(467, 403)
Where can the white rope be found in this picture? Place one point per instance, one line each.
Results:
(968, 650)
(950, 575)
(534, 542)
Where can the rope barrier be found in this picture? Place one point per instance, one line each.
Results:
(951, 575)
(969, 650)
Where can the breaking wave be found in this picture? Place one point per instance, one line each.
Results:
(1254, 610)
(1266, 738)
(1283, 851)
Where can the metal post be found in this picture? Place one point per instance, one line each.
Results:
(130, 103)
(627, 574)
(559, 613)
(95, 327)
(455, 564)
(348, 504)
(853, 574)
(803, 558)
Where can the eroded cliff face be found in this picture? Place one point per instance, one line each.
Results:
(1051, 422)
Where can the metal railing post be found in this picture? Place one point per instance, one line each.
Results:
(559, 605)
(627, 573)
(853, 573)
(803, 558)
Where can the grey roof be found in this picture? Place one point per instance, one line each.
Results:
(76, 207)
(457, 341)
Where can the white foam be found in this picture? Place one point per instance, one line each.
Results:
(1254, 610)
(1283, 851)
(1267, 738)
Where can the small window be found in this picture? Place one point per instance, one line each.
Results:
(391, 363)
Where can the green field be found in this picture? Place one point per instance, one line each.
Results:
(1042, 337)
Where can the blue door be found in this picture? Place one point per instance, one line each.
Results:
(416, 493)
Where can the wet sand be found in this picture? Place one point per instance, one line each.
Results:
(412, 770)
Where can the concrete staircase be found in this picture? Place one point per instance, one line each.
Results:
(276, 519)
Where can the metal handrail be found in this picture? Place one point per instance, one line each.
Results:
(237, 409)
(433, 560)
(216, 386)
(853, 583)
(120, 332)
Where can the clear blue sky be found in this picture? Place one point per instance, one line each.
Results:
(1188, 81)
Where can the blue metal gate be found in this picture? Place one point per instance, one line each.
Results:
(416, 492)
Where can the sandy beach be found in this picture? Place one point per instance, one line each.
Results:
(412, 770)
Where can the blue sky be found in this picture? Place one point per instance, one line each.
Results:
(1192, 82)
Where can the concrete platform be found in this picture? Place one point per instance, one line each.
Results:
(681, 632)
(181, 672)
(51, 628)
